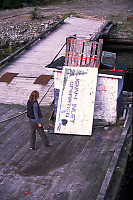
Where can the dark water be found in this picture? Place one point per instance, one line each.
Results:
(126, 190)
(126, 59)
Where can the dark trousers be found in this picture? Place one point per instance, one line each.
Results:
(40, 130)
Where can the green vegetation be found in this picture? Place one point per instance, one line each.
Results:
(123, 24)
(8, 51)
(7, 4)
(34, 14)
(68, 14)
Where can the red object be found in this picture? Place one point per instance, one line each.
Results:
(26, 192)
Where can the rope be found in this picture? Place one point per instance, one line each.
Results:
(21, 113)
(46, 92)
(58, 53)
(43, 95)
(13, 117)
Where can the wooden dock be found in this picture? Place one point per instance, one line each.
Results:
(74, 168)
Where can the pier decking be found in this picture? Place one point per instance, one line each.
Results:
(75, 167)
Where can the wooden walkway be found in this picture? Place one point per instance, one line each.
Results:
(74, 168)
(31, 64)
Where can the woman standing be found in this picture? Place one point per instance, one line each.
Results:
(34, 114)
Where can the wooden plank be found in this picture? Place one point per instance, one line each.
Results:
(12, 144)
(40, 190)
(86, 169)
(92, 55)
(63, 165)
(88, 190)
(84, 176)
(100, 176)
(76, 101)
(107, 180)
(9, 128)
(87, 52)
(3, 108)
(72, 168)
(105, 165)
(11, 166)
(8, 111)
(16, 158)
(82, 52)
(68, 46)
(44, 167)
(106, 99)
(25, 135)
(124, 111)
(65, 180)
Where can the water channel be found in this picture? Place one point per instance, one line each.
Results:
(126, 58)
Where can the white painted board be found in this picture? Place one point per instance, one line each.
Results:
(106, 99)
(76, 101)
(57, 79)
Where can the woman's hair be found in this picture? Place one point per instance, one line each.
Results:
(34, 95)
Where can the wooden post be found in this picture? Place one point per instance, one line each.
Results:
(82, 52)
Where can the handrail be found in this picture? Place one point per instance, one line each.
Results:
(26, 46)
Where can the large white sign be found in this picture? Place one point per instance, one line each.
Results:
(76, 101)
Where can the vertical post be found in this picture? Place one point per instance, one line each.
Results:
(82, 53)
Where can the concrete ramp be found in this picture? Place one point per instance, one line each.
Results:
(31, 64)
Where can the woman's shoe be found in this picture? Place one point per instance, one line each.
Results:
(48, 145)
(33, 148)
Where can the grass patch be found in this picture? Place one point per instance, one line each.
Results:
(66, 15)
(122, 24)
(34, 14)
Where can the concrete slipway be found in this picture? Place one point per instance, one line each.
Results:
(32, 63)
(75, 167)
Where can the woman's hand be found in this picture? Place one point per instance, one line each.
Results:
(39, 125)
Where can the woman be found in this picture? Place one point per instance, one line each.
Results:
(34, 114)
